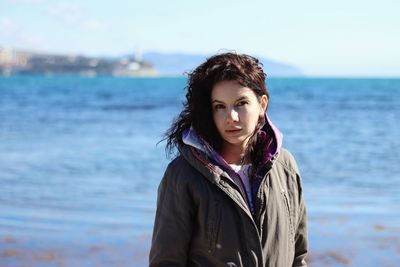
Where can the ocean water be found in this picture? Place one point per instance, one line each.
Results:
(80, 166)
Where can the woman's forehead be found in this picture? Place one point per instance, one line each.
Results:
(229, 90)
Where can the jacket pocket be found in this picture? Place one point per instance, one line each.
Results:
(289, 214)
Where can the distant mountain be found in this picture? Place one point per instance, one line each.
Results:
(178, 64)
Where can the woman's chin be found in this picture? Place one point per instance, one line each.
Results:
(235, 142)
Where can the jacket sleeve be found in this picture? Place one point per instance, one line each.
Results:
(301, 237)
(173, 222)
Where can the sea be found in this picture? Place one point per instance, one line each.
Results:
(81, 159)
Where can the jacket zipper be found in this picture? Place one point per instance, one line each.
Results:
(222, 184)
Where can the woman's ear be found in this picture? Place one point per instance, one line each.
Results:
(264, 104)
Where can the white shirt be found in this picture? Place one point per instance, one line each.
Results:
(243, 171)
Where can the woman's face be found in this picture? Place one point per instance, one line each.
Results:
(236, 111)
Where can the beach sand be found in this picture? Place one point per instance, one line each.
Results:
(334, 241)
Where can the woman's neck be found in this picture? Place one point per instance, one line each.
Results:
(234, 154)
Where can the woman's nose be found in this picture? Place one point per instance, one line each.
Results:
(233, 115)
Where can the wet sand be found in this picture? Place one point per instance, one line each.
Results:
(334, 241)
(23, 252)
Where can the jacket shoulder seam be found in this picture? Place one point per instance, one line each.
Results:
(285, 164)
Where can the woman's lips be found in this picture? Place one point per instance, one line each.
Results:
(233, 130)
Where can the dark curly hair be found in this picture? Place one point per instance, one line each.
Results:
(197, 111)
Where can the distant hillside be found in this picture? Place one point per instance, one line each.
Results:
(177, 64)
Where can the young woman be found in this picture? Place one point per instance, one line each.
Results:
(233, 195)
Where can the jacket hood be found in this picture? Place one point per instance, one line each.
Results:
(271, 139)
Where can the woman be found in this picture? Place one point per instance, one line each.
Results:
(232, 196)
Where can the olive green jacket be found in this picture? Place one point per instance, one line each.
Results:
(203, 220)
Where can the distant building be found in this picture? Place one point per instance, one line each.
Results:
(132, 66)
(11, 60)
(23, 62)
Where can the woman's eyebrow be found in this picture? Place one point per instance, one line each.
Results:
(241, 98)
(222, 102)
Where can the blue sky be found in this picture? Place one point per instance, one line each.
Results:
(322, 38)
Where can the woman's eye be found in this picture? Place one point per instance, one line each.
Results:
(241, 103)
(218, 106)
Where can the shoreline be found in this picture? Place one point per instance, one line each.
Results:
(334, 241)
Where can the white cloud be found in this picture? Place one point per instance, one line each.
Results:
(26, 1)
(14, 35)
(73, 13)
(7, 26)
(69, 12)
(60, 15)
(92, 24)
